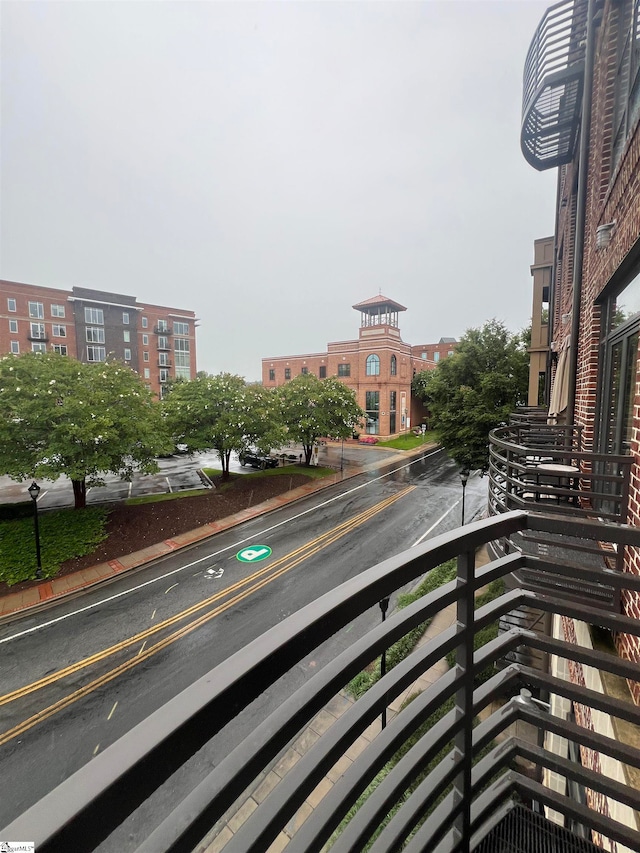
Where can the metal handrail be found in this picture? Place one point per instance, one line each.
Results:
(88, 806)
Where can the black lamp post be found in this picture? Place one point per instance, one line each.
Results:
(34, 491)
(464, 476)
(342, 456)
(384, 606)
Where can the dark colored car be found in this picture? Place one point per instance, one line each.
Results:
(257, 460)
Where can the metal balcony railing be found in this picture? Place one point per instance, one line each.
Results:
(553, 84)
(475, 770)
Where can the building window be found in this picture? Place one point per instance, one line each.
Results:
(424, 356)
(94, 316)
(11, 305)
(372, 409)
(394, 365)
(272, 375)
(304, 371)
(181, 328)
(450, 352)
(15, 347)
(287, 373)
(96, 354)
(627, 83)
(37, 330)
(125, 318)
(373, 365)
(163, 359)
(13, 326)
(145, 356)
(344, 370)
(57, 311)
(145, 340)
(61, 349)
(180, 345)
(127, 354)
(163, 343)
(147, 373)
(162, 326)
(38, 347)
(145, 322)
(183, 372)
(323, 371)
(36, 309)
(59, 331)
(392, 411)
(126, 334)
(436, 356)
(164, 375)
(95, 336)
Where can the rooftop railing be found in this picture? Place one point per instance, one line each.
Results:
(475, 771)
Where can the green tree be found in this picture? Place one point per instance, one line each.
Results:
(224, 413)
(474, 390)
(59, 416)
(313, 407)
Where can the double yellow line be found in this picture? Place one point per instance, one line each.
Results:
(238, 592)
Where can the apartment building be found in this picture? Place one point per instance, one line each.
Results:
(157, 341)
(378, 365)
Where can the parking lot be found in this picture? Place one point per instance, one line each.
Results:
(177, 473)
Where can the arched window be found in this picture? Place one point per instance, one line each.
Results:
(373, 365)
(394, 365)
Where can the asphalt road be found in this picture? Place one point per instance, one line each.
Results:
(93, 667)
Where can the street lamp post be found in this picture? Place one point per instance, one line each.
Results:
(342, 456)
(464, 476)
(384, 606)
(34, 491)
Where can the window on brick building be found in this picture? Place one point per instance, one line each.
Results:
(323, 371)
(57, 311)
(394, 365)
(38, 347)
(61, 349)
(96, 353)
(36, 309)
(125, 317)
(145, 340)
(13, 326)
(94, 336)
(372, 411)
(344, 369)
(627, 82)
(181, 328)
(59, 331)
(11, 305)
(304, 371)
(272, 375)
(287, 373)
(37, 330)
(15, 347)
(127, 354)
(436, 356)
(126, 334)
(373, 365)
(145, 322)
(94, 316)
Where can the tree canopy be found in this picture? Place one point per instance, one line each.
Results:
(312, 407)
(224, 413)
(474, 390)
(59, 416)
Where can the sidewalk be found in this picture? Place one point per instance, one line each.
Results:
(57, 588)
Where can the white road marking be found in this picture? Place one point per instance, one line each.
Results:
(433, 526)
(234, 546)
(169, 485)
(142, 648)
(130, 487)
(95, 751)
(153, 614)
(115, 705)
(173, 586)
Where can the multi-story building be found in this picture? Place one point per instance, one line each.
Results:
(378, 365)
(91, 325)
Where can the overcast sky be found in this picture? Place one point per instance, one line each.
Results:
(270, 164)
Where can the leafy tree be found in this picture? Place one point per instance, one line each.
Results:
(59, 416)
(224, 413)
(474, 390)
(313, 407)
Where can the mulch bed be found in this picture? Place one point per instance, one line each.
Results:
(131, 528)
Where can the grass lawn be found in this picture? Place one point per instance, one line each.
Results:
(63, 534)
(409, 441)
(164, 496)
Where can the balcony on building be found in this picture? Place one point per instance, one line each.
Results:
(553, 86)
(162, 329)
(163, 344)
(469, 764)
(167, 363)
(43, 339)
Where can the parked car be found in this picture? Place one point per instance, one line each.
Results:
(257, 460)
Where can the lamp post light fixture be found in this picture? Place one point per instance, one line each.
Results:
(464, 477)
(34, 491)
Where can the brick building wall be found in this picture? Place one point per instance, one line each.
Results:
(613, 184)
(91, 325)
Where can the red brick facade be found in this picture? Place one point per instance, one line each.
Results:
(609, 268)
(157, 342)
(389, 377)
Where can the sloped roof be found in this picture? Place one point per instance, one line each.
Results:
(447, 341)
(379, 301)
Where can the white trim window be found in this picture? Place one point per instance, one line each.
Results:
(127, 354)
(95, 336)
(15, 347)
(38, 347)
(59, 331)
(96, 353)
(57, 311)
(61, 349)
(36, 310)
(37, 330)
(13, 326)
(11, 305)
(95, 316)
